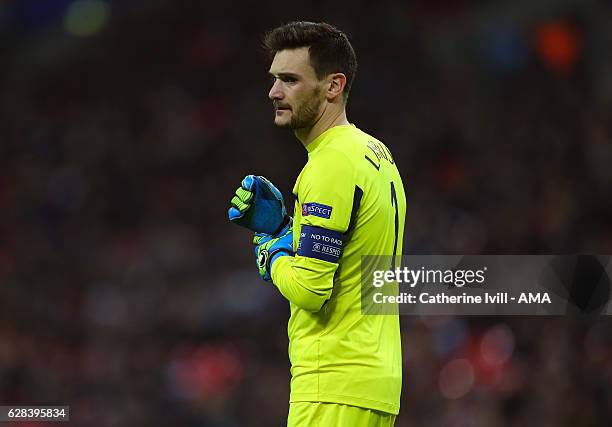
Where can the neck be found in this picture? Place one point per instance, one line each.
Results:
(330, 117)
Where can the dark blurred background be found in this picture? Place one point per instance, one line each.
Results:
(125, 127)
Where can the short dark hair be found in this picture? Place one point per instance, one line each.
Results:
(329, 48)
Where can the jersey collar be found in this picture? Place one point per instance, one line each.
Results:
(319, 140)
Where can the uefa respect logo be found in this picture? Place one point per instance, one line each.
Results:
(316, 209)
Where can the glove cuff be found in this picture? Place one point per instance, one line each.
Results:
(286, 221)
(273, 255)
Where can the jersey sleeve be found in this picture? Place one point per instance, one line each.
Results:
(326, 192)
(325, 195)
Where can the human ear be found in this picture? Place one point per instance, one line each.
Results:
(336, 85)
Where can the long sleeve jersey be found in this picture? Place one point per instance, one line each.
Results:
(350, 202)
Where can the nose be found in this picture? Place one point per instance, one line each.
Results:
(275, 91)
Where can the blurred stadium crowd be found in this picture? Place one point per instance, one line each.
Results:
(126, 126)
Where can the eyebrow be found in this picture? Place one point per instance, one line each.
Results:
(290, 75)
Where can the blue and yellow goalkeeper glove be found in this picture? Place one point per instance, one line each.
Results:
(269, 248)
(259, 206)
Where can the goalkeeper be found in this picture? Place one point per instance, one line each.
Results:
(346, 367)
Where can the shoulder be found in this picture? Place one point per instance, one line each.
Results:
(329, 166)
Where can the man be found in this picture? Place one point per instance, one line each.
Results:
(345, 366)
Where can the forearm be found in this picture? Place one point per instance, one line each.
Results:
(305, 282)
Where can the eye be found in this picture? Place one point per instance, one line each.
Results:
(288, 78)
(283, 78)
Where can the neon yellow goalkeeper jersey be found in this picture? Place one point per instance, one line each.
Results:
(350, 202)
